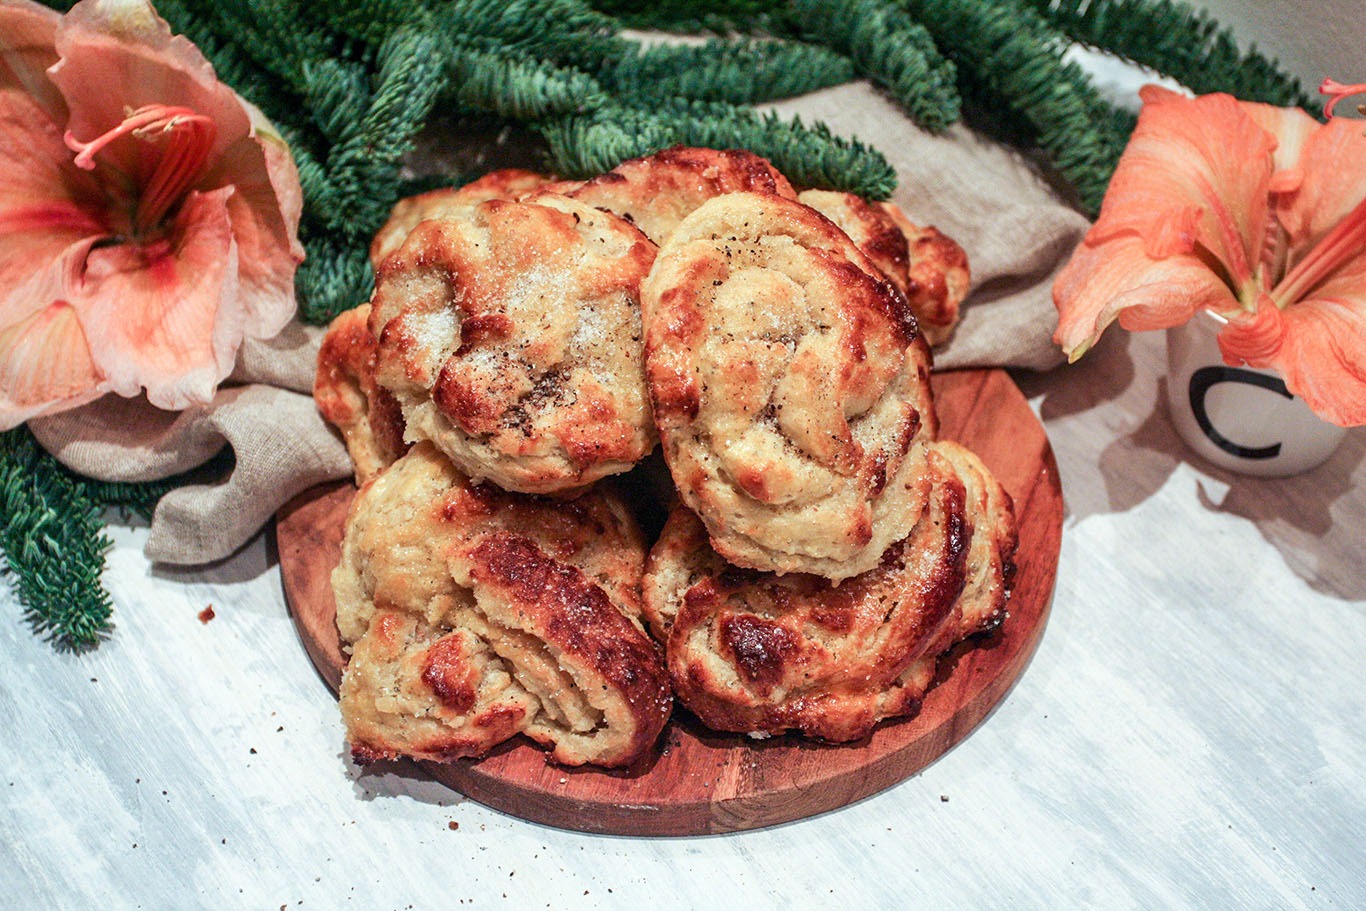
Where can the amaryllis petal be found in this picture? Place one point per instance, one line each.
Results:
(1334, 181)
(1119, 280)
(1201, 164)
(1323, 356)
(166, 238)
(26, 51)
(265, 211)
(45, 366)
(1291, 128)
(37, 168)
(1253, 336)
(46, 223)
(125, 43)
(162, 316)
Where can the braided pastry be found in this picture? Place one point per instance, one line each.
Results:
(510, 336)
(790, 390)
(473, 614)
(656, 192)
(760, 653)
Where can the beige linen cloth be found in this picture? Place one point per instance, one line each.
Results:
(1015, 229)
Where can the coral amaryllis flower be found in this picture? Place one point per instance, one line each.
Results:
(1254, 212)
(148, 215)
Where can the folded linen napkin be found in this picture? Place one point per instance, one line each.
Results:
(1016, 230)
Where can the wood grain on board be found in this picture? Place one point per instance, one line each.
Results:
(699, 781)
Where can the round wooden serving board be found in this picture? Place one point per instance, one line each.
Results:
(702, 782)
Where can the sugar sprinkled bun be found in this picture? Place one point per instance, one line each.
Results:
(791, 393)
(447, 202)
(511, 337)
(924, 264)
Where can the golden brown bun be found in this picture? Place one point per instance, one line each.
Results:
(925, 265)
(604, 696)
(511, 337)
(938, 278)
(411, 689)
(762, 654)
(658, 191)
(991, 513)
(527, 608)
(348, 397)
(408, 213)
(791, 394)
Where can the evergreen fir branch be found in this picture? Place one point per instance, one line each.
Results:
(1010, 60)
(53, 543)
(1179, 41)
(744, 71)
(275, 34)
(372, 132)
(809, 156)
(561, 32)
(337, 95)
(370, 21)
(140, 499)
(335, 276)
(231, 66)
(891, 48)
(720, 16)
(520, 89)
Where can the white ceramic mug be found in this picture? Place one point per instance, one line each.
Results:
(1240, 418)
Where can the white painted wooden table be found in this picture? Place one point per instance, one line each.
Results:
(1190, 734)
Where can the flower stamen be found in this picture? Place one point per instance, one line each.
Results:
(1338, 91)
(189, 138)
(1346, 240)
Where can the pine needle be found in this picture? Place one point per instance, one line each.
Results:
(809, 156)
(891, 48)
(54, 545)
(1011, 61)
(487, 82)
(1179, 41)
(734, 71)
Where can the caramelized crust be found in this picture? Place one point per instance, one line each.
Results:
(870, 227)
(791, 395)
(511, 338)
(413, 690)
(656, 192)
(938, 279)
(449, 656)
(350, 399)
(601, 682)
(925, 265)
(760, 653)
(994, 539)
(448, 202)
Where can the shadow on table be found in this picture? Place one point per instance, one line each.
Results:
(1313, 519)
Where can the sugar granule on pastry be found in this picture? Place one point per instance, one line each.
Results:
(408, 213)
(924, 264)
(511, 338)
